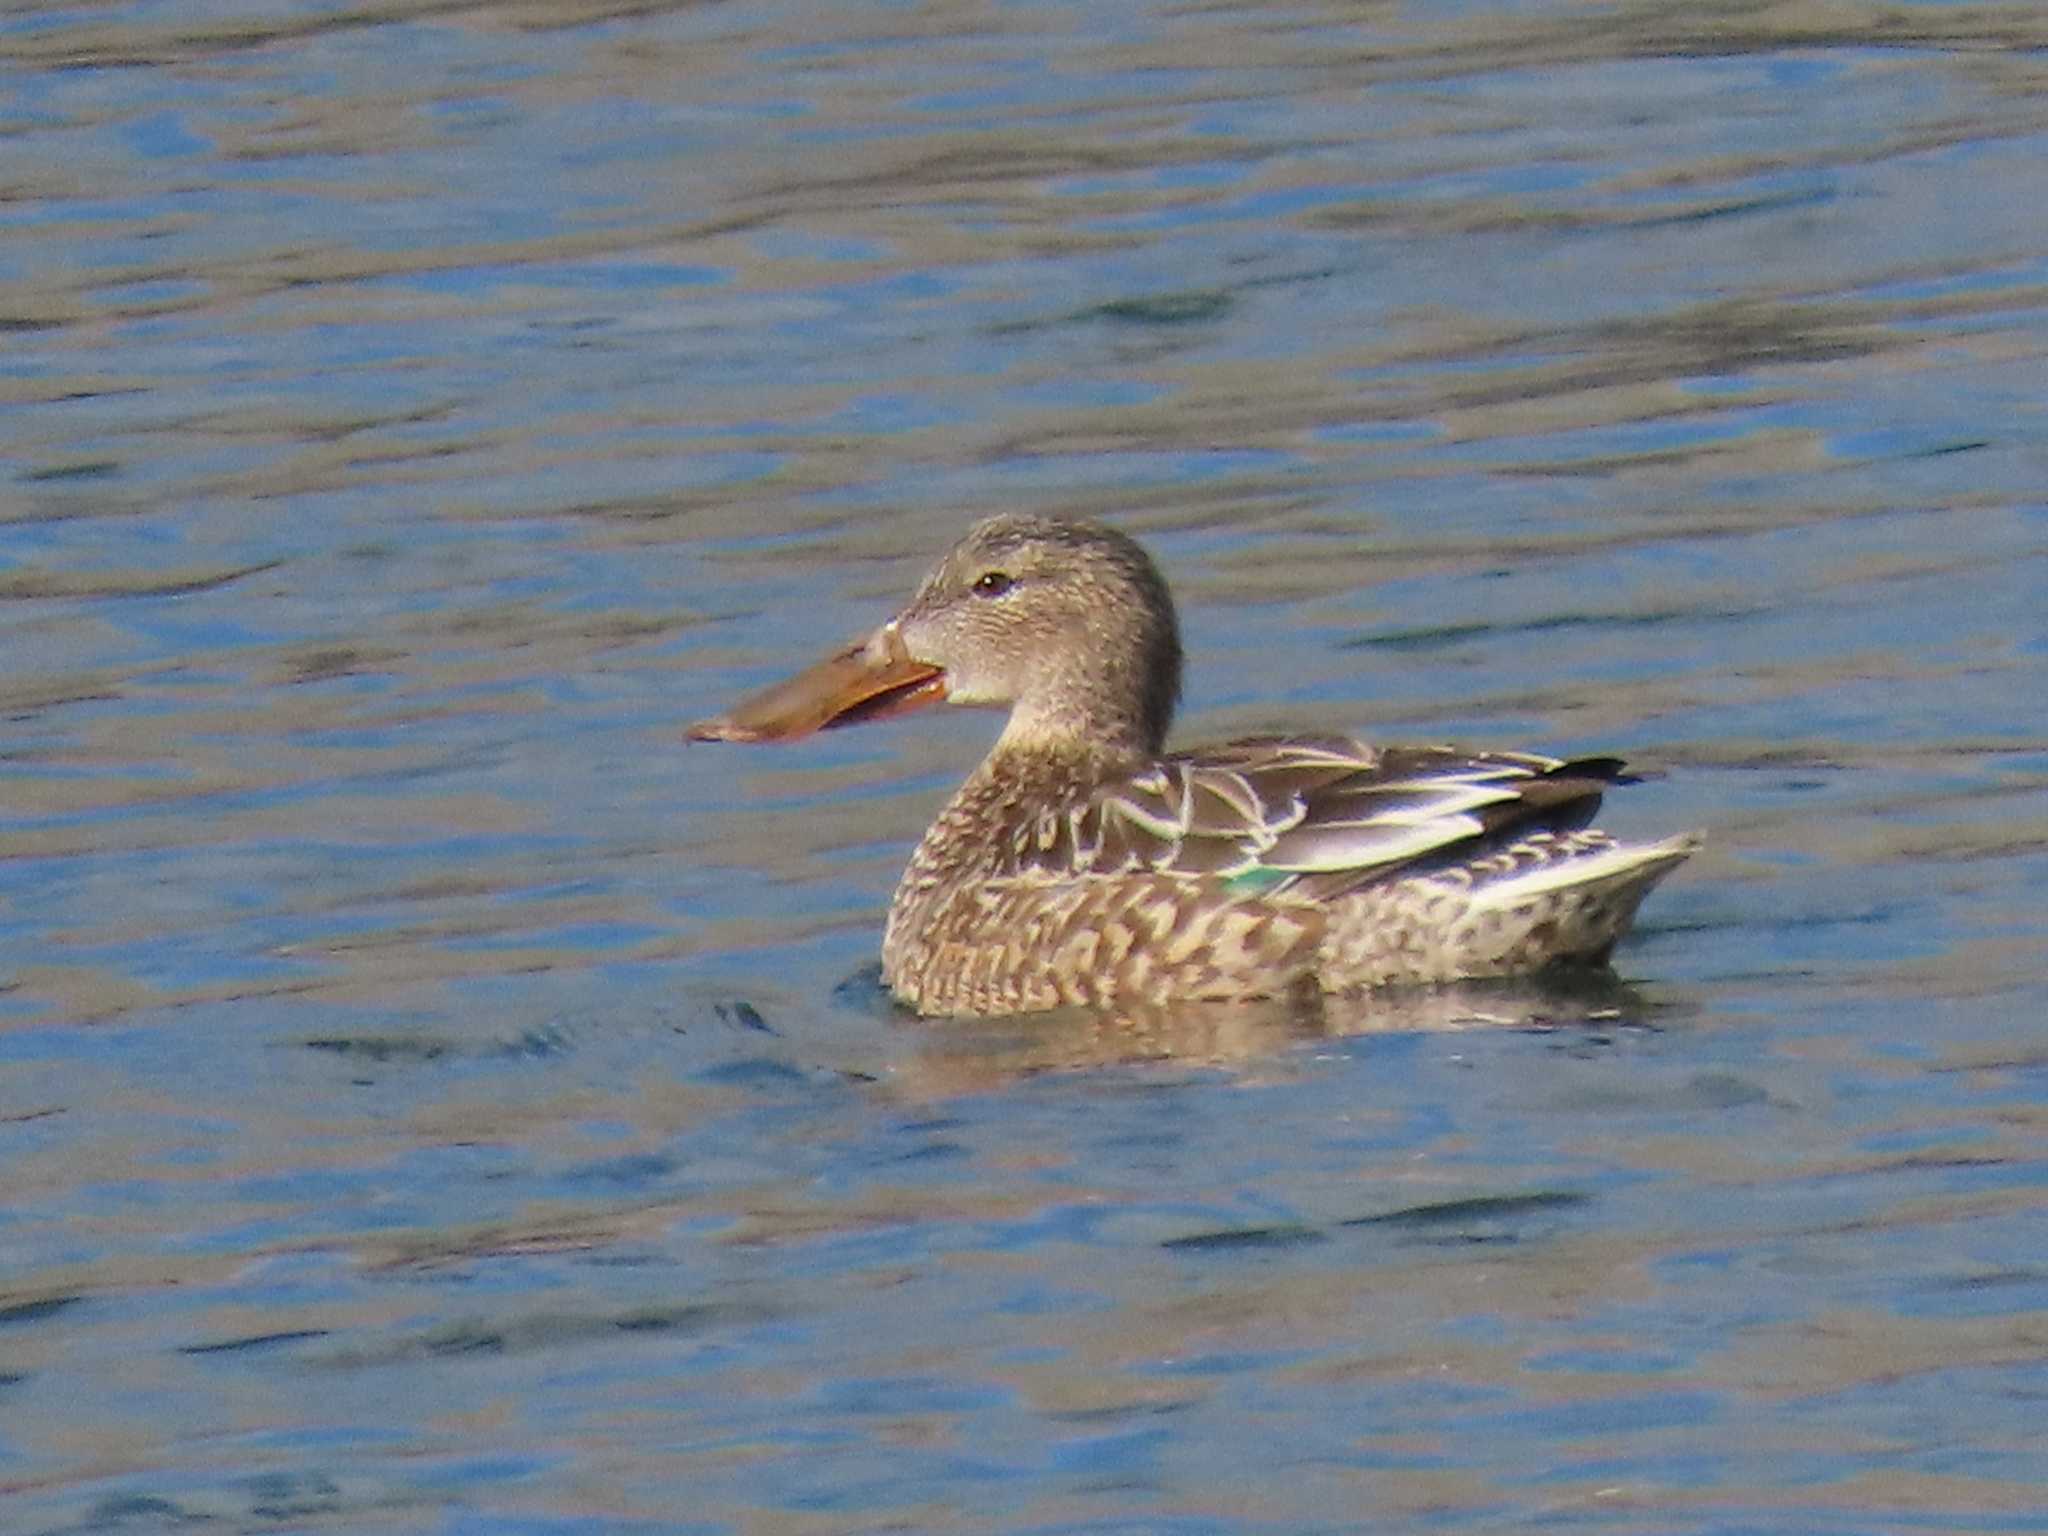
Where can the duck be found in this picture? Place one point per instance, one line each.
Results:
(1085, 865)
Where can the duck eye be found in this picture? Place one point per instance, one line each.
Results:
(993, 583)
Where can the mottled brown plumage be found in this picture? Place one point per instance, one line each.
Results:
(1082, 865)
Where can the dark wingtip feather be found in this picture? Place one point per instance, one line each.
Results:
(1607, 770)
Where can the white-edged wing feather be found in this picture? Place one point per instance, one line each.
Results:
(1324, 815)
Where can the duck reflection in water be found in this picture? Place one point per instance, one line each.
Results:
(980, 1054)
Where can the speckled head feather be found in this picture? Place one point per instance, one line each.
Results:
(1067, 623)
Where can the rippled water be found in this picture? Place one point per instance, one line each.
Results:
(434, 1098)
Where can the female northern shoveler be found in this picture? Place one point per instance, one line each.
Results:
(1081, 863)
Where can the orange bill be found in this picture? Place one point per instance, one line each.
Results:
(870, 681)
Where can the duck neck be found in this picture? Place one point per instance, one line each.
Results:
(1075, 735)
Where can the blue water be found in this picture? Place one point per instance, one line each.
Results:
(435, 1098)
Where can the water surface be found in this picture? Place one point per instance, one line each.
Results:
(432, 1098)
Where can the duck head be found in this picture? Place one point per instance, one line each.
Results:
(1065, 623)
